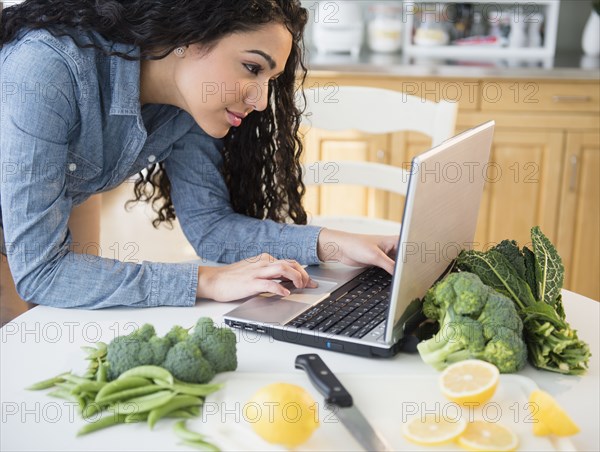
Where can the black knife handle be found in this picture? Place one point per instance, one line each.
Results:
(324, 380)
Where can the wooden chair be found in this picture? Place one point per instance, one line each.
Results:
(372, 111)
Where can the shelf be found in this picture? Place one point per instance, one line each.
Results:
(530, 7)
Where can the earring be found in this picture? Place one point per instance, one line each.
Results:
(179, 51)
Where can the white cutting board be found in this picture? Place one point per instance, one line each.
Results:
(386, 401)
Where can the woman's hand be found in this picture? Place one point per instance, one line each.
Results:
(358, 250)
(251, 277)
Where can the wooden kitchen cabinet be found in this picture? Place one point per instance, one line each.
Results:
(544, 170)
(579, 223)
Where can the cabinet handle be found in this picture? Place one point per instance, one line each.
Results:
(570, 99)
(573, 179)
(381, 155)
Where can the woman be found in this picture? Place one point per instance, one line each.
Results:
(197, 97)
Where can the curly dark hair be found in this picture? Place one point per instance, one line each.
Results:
(261, 157)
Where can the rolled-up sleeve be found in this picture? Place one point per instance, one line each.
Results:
(202, 203)
(35, 200)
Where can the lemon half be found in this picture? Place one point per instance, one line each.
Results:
(469, 381)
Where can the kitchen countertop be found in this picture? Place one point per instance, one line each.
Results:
(46, 341)
(565, 66)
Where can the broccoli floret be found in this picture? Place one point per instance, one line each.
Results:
(506, 350)
(430, 308)
(475, 322)
(499, 312)
(185, 361)
(194, 358)
(135, 349)
(177, 334)
(471, 293)
(460, 337)
(218, 345)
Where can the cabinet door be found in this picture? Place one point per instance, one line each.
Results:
(522, 187)
(333, 198)
(579, 225)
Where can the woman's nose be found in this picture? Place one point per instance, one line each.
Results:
(257, 95)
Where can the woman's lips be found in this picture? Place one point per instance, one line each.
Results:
(234, 119)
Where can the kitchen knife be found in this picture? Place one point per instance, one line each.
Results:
(335, 394)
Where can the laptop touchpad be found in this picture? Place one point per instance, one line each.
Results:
(309, 296)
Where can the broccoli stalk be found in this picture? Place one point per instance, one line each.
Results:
(459, 338)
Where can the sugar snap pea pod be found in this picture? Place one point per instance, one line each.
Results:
(181, 430)
(47, 384)
(75, 379)
(150, 372)
(63, 394)
(136, 417)
(143, 403)
(67, 385)
(88, 386)
(127, 394)
(180, 414)
(90, 409)
(106, 421)
(101, 374)
(182, 387)
(121, 385)
(193, 410)
(176, 403)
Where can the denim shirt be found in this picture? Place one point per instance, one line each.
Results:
(71, 125)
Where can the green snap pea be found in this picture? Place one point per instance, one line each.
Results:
(181, 430)
(91, 408)
(62, 393)
(193, 439)
(143, 403)
(88, 386)
(150, 372)
(121, 385)
(136, 417)
(101, 374)
(75, 379)
(128, 394)
(177, 402)
(181, 387)
(180, 414)
(106, 421)
(46, 384)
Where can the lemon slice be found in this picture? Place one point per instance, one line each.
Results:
(469, 381)
(484, 436)
(433, 429)
(549, 417)
(282, 413)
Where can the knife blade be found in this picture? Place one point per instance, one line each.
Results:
(335, 394)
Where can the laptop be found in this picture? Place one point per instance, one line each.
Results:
(366, 311)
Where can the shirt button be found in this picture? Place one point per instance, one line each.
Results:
(152, 158)
(72, 167)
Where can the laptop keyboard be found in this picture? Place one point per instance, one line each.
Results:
(354, 313)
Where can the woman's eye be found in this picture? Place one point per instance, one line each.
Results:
(252, 68)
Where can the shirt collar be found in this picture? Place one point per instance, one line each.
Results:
(125, 81)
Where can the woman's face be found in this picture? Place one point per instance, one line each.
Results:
(221, 88)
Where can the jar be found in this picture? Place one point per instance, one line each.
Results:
(384, 27)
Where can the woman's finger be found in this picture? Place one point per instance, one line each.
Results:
(306, 280)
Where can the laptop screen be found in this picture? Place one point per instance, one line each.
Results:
(440, 217)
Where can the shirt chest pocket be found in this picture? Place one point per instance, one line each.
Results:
(80, 172)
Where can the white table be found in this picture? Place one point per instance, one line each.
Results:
(45, 342)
